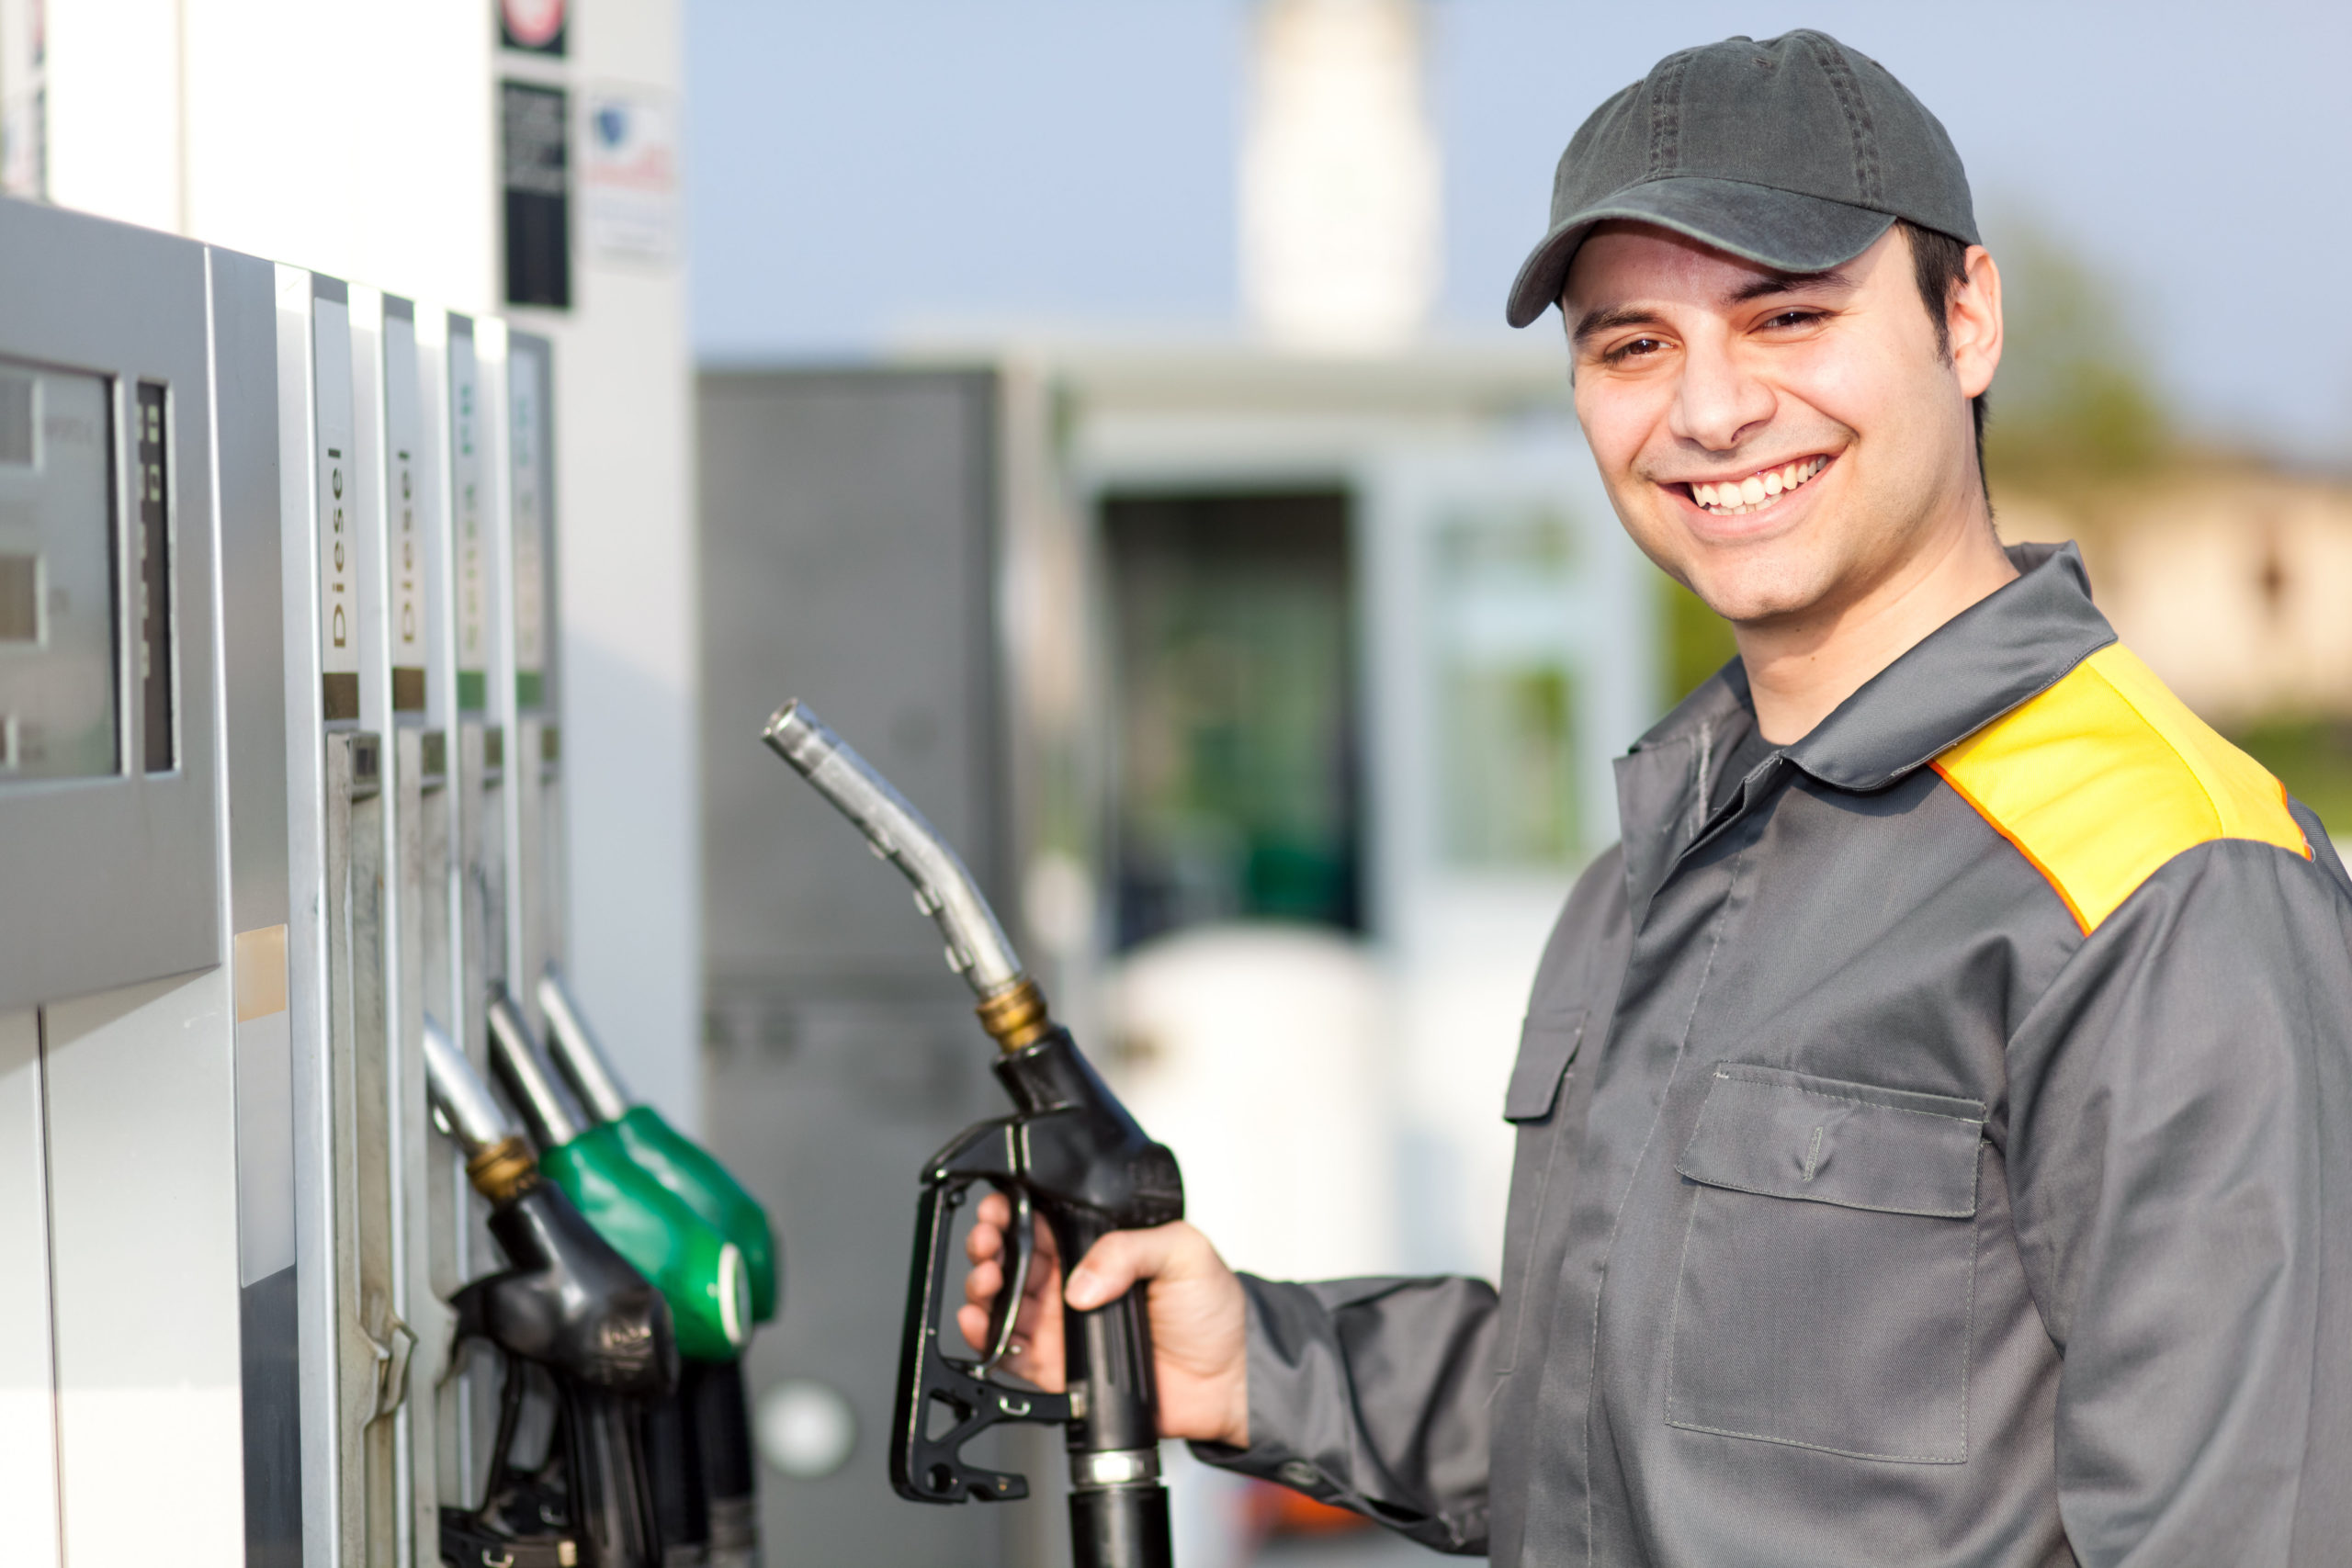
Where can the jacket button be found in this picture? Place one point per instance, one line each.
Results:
(1298, 1472)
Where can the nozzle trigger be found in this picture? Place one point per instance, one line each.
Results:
(1020, 1247)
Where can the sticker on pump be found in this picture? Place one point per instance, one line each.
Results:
(533, 25)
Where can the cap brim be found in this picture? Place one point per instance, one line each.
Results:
(1778, 229)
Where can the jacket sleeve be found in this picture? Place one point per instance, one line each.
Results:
(2179, 1142)
(1372, 1395)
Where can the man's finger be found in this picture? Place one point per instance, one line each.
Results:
(983, 1283)
(995, 1211)
(983, 1242)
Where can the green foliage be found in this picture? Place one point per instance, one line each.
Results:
(2312, 757)
(1698, 641)
(2074, 400)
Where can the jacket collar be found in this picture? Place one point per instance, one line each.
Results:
(2001, 651)
(2008, 647)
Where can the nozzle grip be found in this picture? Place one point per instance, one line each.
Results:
(611, 1504)
(1107, 1352)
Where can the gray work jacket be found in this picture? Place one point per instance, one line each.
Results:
(1939, 1153)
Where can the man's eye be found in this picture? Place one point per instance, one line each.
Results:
(1639, 348)
(1788, 318)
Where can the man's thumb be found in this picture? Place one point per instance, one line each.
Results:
(1112, 1264)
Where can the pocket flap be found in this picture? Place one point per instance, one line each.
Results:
(1546, 1045)
(1825, 1141)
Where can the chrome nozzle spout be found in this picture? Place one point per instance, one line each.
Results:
(514, 1056)
(476, 1120)
(1011, 1008)
(578, 1054)
(498, 1162)
(977, 947)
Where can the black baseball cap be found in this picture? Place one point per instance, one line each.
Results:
(1796, 153)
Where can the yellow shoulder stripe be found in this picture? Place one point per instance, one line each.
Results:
(2106, 777)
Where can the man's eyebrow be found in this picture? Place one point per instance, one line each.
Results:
(1608, 318)
(1787, 283)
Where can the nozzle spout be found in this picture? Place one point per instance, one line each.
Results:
(577, 1054)
(475, 1118)
(498, 1162)
(977, 947)
(515, 1055)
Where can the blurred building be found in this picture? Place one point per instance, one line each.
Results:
(1339, 176)
(2231, 583)
(2230, 580)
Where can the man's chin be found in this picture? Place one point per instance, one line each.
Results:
(1758, 593)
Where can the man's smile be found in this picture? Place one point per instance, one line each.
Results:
(1738, 495)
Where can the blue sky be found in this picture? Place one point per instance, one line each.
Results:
(857, 170)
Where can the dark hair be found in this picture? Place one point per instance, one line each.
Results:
(1940, 265)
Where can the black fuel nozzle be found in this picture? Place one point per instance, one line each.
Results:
(1071, 1157)
(567, 1304)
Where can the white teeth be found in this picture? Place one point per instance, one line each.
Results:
(1733, 498)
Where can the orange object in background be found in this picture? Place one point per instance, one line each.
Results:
(1279, 1511)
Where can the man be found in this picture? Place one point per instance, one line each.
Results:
(1933, 1133)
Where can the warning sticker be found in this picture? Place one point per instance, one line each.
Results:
(628, 174)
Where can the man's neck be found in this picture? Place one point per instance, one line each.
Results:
(1801, 668)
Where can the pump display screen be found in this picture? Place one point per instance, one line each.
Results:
(59, 705)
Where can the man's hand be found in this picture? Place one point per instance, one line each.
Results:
(1197, 1315)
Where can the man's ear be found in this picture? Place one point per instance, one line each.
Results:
(1972, 317)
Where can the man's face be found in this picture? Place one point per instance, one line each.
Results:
(1783, 444)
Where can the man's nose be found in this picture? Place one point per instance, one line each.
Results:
(1720, 402)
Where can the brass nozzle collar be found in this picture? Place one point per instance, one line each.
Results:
(1015, 1017)
(504, 1171)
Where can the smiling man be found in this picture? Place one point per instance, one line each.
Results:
(1934, 1118)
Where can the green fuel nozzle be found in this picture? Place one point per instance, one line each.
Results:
(682, 1165)
(699, 1272)
(713, 1392)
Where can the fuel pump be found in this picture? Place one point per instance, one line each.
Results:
(713, 1392)
(1071, 1155)
(699, 1272)
(344, 885)
(571, 1305)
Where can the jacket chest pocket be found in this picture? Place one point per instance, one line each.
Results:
(1540, 1081)
(1828, 1273)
